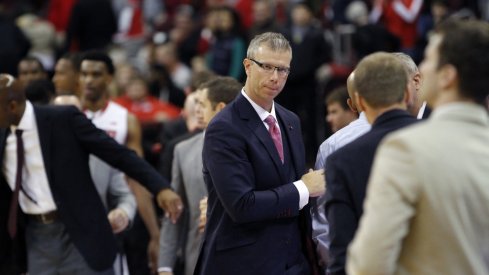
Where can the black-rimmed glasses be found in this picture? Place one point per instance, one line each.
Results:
(282, 71)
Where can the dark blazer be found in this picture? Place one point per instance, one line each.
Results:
(67, 138)
(253, 209)
(348, 170)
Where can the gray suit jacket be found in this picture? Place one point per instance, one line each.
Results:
(427, 199)
(111, 184)
(188, 182)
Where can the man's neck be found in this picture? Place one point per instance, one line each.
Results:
(373, 113)
(95, 105)
(448, 98)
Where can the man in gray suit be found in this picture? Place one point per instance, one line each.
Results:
(428, 196)
(188, 180)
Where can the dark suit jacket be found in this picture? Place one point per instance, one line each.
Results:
(252, 207)
(347, 173)
(67, 138)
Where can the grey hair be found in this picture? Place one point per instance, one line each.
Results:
(408, 62)
(274, 41)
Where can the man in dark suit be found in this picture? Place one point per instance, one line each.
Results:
(254, 172)
(61, 224)
(381, 81)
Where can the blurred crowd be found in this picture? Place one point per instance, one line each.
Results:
(163, 50)
(164, 43)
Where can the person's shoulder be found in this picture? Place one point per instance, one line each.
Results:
(189, 143)
(56, 110)
(413, 133)
(113, 106)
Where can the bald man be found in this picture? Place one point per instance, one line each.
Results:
(347, 134)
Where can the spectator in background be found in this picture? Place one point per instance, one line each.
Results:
(160, 81)
(42, 36)
(30, 69)
(310, 51)
(124, 73)
(91, 26)
(263, 18)
(400, 18)
(227, 51)
(59, 12)
(186, 34)
(14, 46)
(368, 38)
(166, 55)
(437, 12)
(145, 107)
(339, 113)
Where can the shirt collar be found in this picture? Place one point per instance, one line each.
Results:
(262, 113)
(27, 122)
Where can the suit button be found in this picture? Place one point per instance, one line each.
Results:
(287, 241)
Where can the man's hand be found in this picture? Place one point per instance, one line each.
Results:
(203, 214)
(171, 203)
(315, 182)
(118, 220)
(165, 273)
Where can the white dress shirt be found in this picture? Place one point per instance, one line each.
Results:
(263, 114)
(34, 178)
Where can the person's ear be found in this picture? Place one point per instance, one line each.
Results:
(350, 104)
(220, 106)
(448, 77)
(247, 66)
(360, 103)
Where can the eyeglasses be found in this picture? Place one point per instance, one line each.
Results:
(282, 71)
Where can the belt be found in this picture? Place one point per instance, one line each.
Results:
(45, 218)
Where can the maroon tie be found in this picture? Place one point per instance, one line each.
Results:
(14, 203)
(275, 134)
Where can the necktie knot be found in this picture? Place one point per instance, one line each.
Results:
(270, 120)
(18, 133)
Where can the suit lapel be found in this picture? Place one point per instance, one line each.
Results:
(44, 129)
(253, 122)
(293, 137)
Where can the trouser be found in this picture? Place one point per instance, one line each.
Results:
(50, 251)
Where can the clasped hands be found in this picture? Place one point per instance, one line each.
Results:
(315, 182)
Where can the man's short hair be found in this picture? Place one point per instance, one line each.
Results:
(465, 45)
(275, 41)
(381, 79)
(11, 89)
(35, 60)
(408, 62)
(221, 89)
(199, 78)
(100, 56)
(74, 59)
(338, 95)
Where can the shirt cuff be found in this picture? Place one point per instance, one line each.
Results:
(303, 193)
(165, 269)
